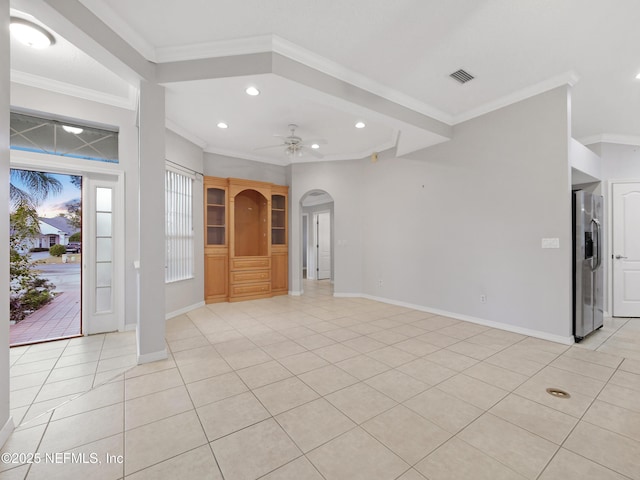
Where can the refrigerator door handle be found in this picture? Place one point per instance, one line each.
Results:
(598, 246)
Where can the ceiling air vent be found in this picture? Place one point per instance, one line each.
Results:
(462, 76)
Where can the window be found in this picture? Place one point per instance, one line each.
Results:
(67, 139)
(179, 226)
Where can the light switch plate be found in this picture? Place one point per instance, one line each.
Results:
(550, 243)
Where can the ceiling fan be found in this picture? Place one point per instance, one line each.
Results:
(294, 146)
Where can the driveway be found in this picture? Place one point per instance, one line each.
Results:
(65, 276)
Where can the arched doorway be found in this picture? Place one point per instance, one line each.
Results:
(317, 263)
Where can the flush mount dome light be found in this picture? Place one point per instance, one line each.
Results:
(360, 125)
(253, 91)
(315, 146)
(74, 130)
(31, 34)
(223, 125)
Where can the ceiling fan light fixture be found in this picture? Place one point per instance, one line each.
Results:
(31, 34)
(252, 91)
(360, 125)
(222, 125)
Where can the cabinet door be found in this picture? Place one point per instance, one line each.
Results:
(278, 219)
(216, 278)
(215, 216)
(279, 273)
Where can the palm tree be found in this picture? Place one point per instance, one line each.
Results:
(37, 186)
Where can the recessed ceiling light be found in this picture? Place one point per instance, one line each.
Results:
(31, 34)
(360, 125)
(253, 91)
(74, 130)
(222, 125)
(315, 146)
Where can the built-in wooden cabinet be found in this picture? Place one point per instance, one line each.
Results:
(216, 250)
(246, 230)
(279, 238)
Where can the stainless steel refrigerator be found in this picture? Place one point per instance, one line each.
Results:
(588, 277)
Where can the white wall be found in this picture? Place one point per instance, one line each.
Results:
(586, 166)
(619, 162)
(342, 181)
(188, 293)
(466, 218)
(230, 167)
(6, 423)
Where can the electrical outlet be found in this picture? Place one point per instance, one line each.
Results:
(483, 299)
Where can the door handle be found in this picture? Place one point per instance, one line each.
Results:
(620, 257)
(598, 246)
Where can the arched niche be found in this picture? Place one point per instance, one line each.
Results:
(251, 227)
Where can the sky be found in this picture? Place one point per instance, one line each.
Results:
(56, 203)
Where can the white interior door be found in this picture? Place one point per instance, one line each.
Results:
(323, 245)
(626, 249)
(103, 252)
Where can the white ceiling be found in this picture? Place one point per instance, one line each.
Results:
(402, 51)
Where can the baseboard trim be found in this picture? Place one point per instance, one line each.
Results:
(6, 431)
(479, 321)
(295, 293)
(153, 357)
(184, 310)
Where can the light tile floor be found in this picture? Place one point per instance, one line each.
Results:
(317, 387)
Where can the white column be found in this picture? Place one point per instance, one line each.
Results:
(151, 313)
(6, 423)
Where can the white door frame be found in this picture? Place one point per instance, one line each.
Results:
(610, 252)
(69, 166)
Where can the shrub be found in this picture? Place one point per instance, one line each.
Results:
(76, 237)
(57, 250)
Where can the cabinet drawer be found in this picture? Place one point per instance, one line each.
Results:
(250, 263)
(251, 289)
(252, 276)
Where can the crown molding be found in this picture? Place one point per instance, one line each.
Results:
(221, 48)
(275, 44)
(611, 138)
(306, 57)
(244, 156)
(304, 159)
(184, 133)
(129, 103)
(568, 78)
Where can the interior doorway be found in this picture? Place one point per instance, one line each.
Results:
(626, 249)
(46, 256)
(317, 236)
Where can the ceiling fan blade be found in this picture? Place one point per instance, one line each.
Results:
(319, 141)
(270, 146)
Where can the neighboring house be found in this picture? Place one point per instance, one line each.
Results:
(53, 231)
